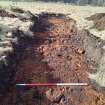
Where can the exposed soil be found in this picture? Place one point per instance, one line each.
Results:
(99, 21)
(58, 52)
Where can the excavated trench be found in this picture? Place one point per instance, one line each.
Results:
(57, 53)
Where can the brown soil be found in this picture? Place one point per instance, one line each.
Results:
(99, 21)
(58, 53)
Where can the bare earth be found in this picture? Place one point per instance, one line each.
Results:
(63, 48)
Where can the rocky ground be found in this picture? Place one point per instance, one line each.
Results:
(51, 47)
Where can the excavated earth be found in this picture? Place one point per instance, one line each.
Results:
(57, 53)
(99, 21)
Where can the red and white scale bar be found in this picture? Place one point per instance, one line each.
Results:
(53, 84)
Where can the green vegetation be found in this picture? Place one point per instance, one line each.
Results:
(78, 2)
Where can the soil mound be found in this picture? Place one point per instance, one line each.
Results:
(99, 21)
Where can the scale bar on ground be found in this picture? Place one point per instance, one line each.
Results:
(53, 84)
